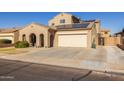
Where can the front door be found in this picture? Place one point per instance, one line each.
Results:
(33, 39)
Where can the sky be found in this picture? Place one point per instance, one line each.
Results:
(109, 20)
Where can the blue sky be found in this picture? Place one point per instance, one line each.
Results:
(110, 20)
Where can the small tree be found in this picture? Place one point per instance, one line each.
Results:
(93, 44)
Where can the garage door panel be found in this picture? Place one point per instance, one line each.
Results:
(72, 40)
(9, 38)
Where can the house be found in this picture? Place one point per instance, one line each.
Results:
(105, 33)
(10, 33)
(105, 38)
(74, 32)
(63, 30)
(121, 35)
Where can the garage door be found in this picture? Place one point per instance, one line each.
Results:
(72, 40)
(9, 38)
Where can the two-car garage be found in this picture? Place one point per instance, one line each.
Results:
(7, 36)
(72, 39)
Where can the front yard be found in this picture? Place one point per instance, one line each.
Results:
(12, 50)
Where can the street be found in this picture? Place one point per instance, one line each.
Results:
(25, 71)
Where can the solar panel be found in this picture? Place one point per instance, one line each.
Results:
(80, 25)
(83, 25)
(89, 20)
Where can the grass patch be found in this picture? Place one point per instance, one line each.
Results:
(7, 49)
(11, 51)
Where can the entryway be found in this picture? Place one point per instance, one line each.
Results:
(32, 39)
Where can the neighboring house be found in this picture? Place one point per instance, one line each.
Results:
(10, 33)
(104, 33)
(64, 30)
(105, 39)
(121, 35)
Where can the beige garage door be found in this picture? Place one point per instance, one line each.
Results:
(7, 37)
(72, 40)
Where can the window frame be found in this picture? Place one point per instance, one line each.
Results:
(62, 21)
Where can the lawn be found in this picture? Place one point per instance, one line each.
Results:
(12, 50)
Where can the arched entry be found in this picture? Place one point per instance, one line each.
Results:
(32, 39)
(41, 40)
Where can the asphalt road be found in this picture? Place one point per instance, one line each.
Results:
(24, 71)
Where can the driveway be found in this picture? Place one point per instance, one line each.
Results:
(102, 59)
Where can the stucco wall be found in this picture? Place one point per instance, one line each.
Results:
(16, 36)
(56, 19)
(37, 30)
(112, 41)
(97, 26)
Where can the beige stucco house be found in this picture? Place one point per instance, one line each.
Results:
(11, 34)
(105, 38)
(105, 32)
(63, 30)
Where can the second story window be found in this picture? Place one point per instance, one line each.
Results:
(62, 21)
(53, 24)
(106, 32)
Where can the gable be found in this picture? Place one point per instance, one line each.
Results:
(61, 16)
(34, 27)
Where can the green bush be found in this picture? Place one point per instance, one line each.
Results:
(5, 41)
(93, 44)
(21, 44)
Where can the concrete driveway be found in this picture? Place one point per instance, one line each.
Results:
(102, 59)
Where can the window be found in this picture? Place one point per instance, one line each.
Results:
(106, 32)
(62, 21)
(23, 37)
(53, 24)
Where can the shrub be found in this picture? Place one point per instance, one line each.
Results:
(5, 41)
(93, 44)
(21, 44)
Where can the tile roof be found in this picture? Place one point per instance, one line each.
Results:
(105, 30)
(39, 24)
(9, 30)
